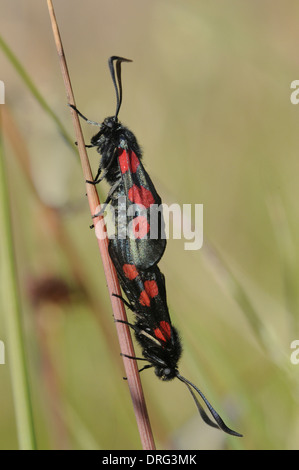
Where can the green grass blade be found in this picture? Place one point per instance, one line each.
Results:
(12, 315)
(235, 288)
(33, 89)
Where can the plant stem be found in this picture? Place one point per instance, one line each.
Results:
(124, 336)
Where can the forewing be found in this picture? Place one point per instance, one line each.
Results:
(144, 289)
(145, 223)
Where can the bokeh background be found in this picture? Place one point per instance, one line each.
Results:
(208, 96)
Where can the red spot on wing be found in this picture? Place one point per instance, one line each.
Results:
(128, 160)
(144, 299)
(134, 161)
(140, 227)
(140, 195)
(150, 291)
(164, 331)
(130, 271)
(151, 288)
(123, 160)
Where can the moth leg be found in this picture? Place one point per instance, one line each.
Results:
(125, 302)
(109, 197)
(133, 357)
(127, 323)
(148, 366)
(89, 146)
(97, 179)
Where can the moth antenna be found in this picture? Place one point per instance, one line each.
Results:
(117, 85)
(220, 423)
(201, 410)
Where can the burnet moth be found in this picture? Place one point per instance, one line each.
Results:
(121, 166)
(135, 258)
(158, 338)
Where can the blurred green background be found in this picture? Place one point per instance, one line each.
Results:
(208, 97)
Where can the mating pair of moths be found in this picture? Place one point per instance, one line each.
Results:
(136, 258)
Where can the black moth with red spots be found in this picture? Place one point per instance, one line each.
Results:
(138, 247)
(146, 294)
(158, 338)
(121, 166)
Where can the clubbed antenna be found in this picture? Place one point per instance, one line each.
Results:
(117, 85)
(219, 421)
